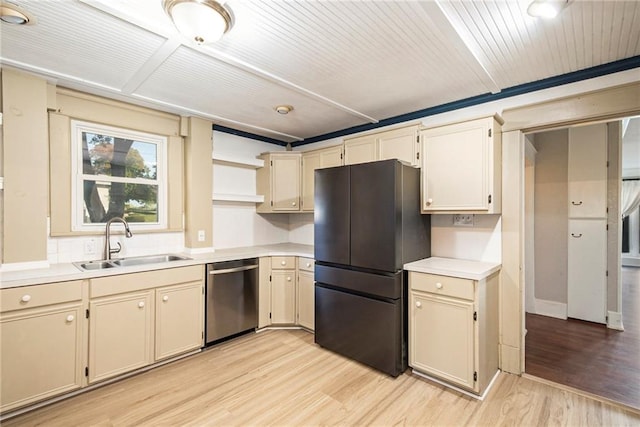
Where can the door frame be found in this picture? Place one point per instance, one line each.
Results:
(608, 104)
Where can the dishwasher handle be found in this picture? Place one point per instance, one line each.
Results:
(233, 270)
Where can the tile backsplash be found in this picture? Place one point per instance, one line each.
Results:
(87, 248)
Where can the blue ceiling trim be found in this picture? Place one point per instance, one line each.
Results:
(249, 135)
(575, 76)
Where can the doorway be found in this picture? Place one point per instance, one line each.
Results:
(580, 354)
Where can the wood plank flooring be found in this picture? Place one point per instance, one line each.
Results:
(281, 377)
(589, 356)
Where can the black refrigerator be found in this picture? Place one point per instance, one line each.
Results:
(367, 224)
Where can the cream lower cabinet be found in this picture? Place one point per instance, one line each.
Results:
(42, 335)
(453, 329)
(139, 318)
(306, 291)
(121, 334)
(285, 291)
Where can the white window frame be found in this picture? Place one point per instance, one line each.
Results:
(77, 200)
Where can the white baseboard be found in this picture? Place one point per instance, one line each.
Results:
(614, 320)
(551, 308)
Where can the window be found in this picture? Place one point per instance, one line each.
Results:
(117, 173)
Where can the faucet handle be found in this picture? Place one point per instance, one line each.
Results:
(115, 251)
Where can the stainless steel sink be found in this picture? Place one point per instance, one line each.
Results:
(94, 265)
(151, 259)
(128, 262)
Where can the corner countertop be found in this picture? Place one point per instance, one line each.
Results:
(67, 271)
(465, 269)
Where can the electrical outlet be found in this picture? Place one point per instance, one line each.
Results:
(200, 235)
(463, 220)
(90, 247)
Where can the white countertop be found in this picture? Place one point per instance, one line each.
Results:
(67, 271)
(465, 269)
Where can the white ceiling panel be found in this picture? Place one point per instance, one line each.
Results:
(236, 97)
(381, 58)
(74, 40)
(340, 63)
(516, 48)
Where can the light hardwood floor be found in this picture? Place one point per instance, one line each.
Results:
(281, 377)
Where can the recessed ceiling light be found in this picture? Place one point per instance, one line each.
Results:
(283, 109)
(15, 15)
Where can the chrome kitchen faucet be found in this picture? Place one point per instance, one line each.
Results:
(107, 244)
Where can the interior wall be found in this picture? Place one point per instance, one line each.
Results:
(551, 213)
(479, 243)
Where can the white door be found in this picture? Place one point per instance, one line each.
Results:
(587, 278)
(587, 171)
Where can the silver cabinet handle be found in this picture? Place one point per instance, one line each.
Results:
(233, 270)
(577, 236)
(576, 204)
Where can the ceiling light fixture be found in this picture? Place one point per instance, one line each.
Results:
(12, 14)
(547, 9)
(283, 109)
(202, 21)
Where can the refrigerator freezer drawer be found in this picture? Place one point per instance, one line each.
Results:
(389, 285)
(364, 329)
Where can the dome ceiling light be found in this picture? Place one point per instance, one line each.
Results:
(201, 21)
(12, 14)
(283, 109)
(547, 9)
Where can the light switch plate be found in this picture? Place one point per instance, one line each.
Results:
(200, 235)
(463, 220)
(90, 247)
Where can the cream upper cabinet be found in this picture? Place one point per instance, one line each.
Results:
(179, 327)
(402, 144)
(453, 329)
(361, 149)
(306, 292)
(42, 337)
(136, 319)
(279, 182)
(120, 334)
(461, 167)
(312, 160)
(587, 171)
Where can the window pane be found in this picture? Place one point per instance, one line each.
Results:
(106, 200)
(112, 156)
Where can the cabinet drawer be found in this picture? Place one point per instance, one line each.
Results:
(283, 262)
(305, 264)
(39, 295)
(442, 285)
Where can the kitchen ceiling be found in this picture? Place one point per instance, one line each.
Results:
(341, 64)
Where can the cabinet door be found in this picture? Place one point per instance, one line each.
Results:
(305, 300)
(285, 183)
(120, 334)
(283, 297)
(264, 292)
(331, 157)
(310, 162)
(179, 319)
(401, 144)
(586, 273)
(587, 171)
(40, 353)
(360, 150)
(455, 167)
(441, 338)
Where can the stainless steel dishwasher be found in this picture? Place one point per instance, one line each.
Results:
(231, 298)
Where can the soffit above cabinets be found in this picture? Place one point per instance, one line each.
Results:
(341, 64)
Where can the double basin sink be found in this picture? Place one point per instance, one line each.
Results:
(128, 262)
